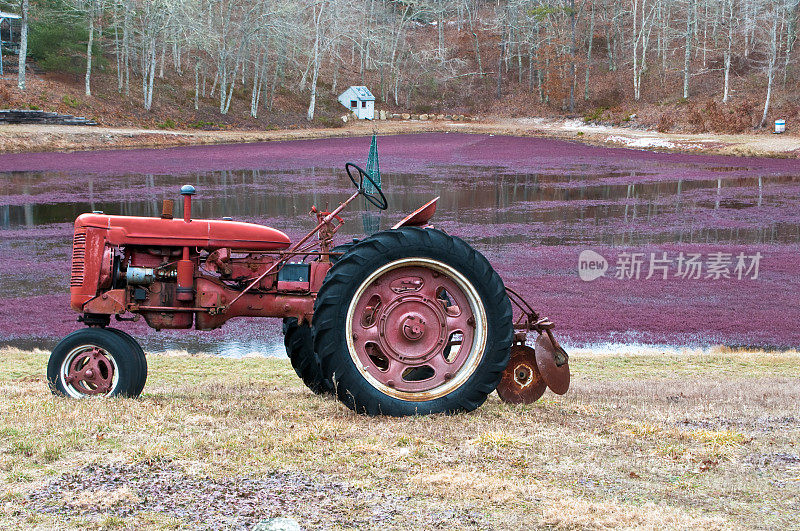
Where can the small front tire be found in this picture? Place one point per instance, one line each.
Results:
(96, 362)
(140, 355)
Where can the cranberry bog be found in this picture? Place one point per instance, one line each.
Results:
(532, 206)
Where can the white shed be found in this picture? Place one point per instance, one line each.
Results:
(360, 101)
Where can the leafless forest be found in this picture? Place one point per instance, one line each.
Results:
(568, 56)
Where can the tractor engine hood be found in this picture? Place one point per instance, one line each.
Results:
(202, 233)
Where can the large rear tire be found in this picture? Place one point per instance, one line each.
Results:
(299, 344)
(300, 348)
(412, 321)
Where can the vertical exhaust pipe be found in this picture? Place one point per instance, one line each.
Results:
(185, 289)
(187, 191)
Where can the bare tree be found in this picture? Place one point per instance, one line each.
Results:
(689, 37)
(23, 45)
(643, 19)
(91, 6)
(317, 11)
(730, 20)
(775, 15)
(589, 56)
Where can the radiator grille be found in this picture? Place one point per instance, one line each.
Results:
(78, 258)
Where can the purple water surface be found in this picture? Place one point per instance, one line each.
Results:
(530, 205)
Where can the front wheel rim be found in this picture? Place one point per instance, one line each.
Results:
(89, 370)
(416, 329)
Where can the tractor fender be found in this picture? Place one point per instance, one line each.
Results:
(420, 217)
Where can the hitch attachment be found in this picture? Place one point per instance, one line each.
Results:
(531, 370)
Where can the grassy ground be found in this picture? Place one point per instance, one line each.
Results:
(652, 441)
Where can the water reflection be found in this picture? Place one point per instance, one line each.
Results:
(544, 208)
(502, 213)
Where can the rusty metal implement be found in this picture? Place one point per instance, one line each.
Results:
(553, 363)
(531, 370)
(521, 383)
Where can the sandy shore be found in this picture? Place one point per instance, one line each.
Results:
(32, 138)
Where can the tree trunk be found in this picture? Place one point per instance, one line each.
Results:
(635, 43)
(176, 55)
(500, 69)
(223, 87)
(163, 53)
(151, 76)
(687, 55)
(589, 57)
(726, 90)
(126, 21)
(727, 55)
(23, 46)
(791, 37)
(214, 83)
(573, 53)
(274, 84)
(197, 85)
(118, 52)
(530, 68)
(440, 28)
(315, 62)
(258, 76)
(335, 82)
(88, 84)
(313, 99)
(773, 57)
(227, 105)
(474, 36)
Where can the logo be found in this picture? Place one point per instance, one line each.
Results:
(666, 265)
(591, 265)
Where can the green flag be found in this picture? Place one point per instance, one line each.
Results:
(370, 217)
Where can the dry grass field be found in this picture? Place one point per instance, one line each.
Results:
(654, 440)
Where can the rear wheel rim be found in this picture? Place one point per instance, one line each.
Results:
(416, 329)
(89, 370)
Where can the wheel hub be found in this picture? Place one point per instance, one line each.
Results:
(90, 372)
(412, 328)
(523, 375)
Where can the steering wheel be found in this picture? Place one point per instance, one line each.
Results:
(376, 199)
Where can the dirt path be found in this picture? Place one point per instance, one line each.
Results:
(31, 138)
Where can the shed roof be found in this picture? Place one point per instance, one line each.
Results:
(3, 14)
(362, 93)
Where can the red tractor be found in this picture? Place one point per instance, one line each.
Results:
(407, 321)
